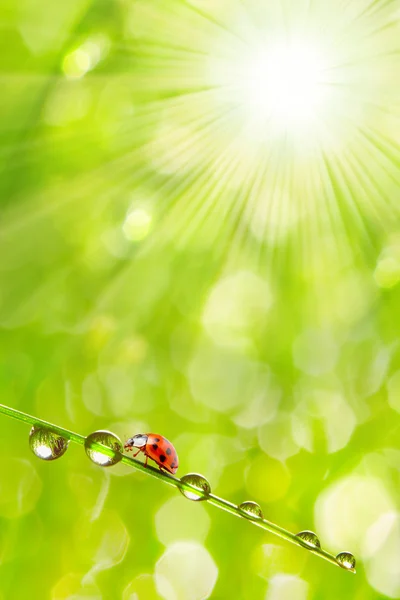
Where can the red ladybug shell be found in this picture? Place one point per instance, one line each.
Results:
(159, 449)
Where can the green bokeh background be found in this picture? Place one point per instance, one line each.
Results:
(161, 272)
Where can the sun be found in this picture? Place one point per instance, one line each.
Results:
(282, 86)
(273, 123)
(279, 87)
(283, 83)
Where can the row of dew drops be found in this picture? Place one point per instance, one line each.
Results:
(48, 445)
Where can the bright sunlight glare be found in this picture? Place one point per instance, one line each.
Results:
(282, 83)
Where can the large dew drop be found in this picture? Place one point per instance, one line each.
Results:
(309, 539)
(46, 444)
(200, 483)
(108, 439)
(252, 509)
(346, 560)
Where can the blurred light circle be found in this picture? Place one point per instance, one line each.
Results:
(73, 587)
(222, 379)
(377, 534)
(270, 559)
(261, 408)
(275, 216)
(315, 352)
(137, 225)
(327, 406)
(21, 487)
(81, 60)
(100, 330)
(393, 389)
(276, 437)
(186, 571)
(382, 547)
(180, 520)
(116, 242)
(77, 63)
(287, 587)
(236, 308)
(210, 454)
(387, 272)
(345, 510)
(355, 285)
(67, 102)
(143, 587)
(102, 541)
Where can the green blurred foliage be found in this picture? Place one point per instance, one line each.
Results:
(161, 272)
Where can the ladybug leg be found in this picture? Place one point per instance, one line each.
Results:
(137, 452)
(145, 462)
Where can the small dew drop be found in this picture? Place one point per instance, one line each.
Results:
(252, 509)
(200, 483)
(309, 539)
(108, 439)
(346, 560)
(46, 444)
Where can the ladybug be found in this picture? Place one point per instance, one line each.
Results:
(156, 447)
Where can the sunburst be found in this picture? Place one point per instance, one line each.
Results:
(274, 122)
(260, 131)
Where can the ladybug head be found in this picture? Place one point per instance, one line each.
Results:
(137, 441)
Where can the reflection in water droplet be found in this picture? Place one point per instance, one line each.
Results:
(346, 560)
(252, 509)
(309, 539)
(200, 483)
(46, 444)
(109, 439)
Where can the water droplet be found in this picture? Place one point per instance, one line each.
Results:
(108, 439)
(46, 444)
(199, 482)
(346, 560)
(309, 539)
(252, 509)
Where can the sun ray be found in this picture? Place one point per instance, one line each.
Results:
(254, 129)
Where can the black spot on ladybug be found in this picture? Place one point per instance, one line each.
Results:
(154, 446)
(156, 439)
(168, 451)
(173, 465)
(163, 458)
